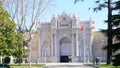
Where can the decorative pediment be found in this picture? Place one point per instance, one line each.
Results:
(65, 20)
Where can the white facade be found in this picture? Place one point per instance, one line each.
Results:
(62, 39)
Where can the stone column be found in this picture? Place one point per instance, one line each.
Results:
(42, 55)
(77, 46)
(90, 49)
(55, 44)
(0, 59)
(39, 50)
(84, 47)
(52, 39)
(11, 59)
(40, 41)
(73, 50)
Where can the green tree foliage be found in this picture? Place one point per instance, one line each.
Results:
(116, 34)
(7, 30)
(113, 31)
(11, 42)
(18, 44)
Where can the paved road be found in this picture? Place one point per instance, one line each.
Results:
(67, 65)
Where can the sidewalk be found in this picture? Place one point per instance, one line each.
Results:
(66, 65)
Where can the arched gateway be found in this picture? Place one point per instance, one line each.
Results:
(65, 40)
(65, 49)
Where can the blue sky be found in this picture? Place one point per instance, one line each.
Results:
(80, 9)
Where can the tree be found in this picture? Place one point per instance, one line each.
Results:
(26, 13)
(116, 34)
(7, 29)
(7, 34)
(18, 43)
(113, 30)
(10, 40)
(109, 34)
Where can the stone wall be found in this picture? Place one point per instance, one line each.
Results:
(99, 42)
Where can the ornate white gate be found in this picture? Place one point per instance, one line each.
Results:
(65, 49)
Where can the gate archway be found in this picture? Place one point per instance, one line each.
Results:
(65, 49)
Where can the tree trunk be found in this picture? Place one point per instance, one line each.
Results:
(109, 33)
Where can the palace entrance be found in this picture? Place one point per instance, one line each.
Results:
(65, 50)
